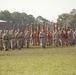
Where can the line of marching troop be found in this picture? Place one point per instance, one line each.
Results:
(18, 40)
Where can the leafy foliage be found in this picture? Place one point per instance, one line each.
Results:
(68, 18)
(18, 18)
(22, 18)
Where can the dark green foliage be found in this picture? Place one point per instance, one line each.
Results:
(68, 18)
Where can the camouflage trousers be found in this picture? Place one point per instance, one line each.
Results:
(43, 42)
(50, 42)
(74, 40)
(61, 41)
(34, 41)
(1, 46)
(19, 43)
(27, 42)
(6, 44)
(12, 43)
(70, 41)
(56, 43)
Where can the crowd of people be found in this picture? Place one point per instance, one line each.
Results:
(17, 39)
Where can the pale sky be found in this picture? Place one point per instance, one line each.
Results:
(49, 9)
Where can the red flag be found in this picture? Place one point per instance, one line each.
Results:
(22, 29)
(65, 31)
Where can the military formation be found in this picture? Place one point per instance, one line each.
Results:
(17, 39)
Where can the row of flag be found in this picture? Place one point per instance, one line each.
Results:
(42, 28)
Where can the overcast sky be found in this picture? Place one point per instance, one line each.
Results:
(49, 9)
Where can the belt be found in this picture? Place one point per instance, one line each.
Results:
(19, 37)
(12, 38)
(42, 37)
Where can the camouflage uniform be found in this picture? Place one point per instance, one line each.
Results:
(16, 38)
(12, 41)
(74, 37)
(5, 41)
(22, 40)
(1, 46)
(34, 38)
(9, 41)
(56, 38)
(42, 37)
(37, 38)
(70, 37)
(19, 39)
(66, 38)
(27, 38)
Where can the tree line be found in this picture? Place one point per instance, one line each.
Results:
(23, 18)
(20, 18)
(68, 18)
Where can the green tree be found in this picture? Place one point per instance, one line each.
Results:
(5, 15)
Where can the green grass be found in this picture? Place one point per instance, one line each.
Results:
(38, 61)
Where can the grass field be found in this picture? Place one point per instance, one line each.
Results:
(38, 61)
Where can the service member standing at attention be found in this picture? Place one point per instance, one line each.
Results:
(1, 47)
(12, 40)
(42, 37)
(70, 37)
(33, 38)
(9, 41)
(5, 40)
(74, 37)
(27, 37)
(19, 39)
(56, 38)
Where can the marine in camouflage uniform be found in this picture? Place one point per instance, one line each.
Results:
(9, 39)
(12, 40)
(42, 37)
(66, 38)
(1, 46)
(70, 37)
(34, 38)
(37, 38)
(27, 38)
(19, 39)
(56, 38)
(74, 37)
(22, 40)
(16, 38)
(5, 41)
